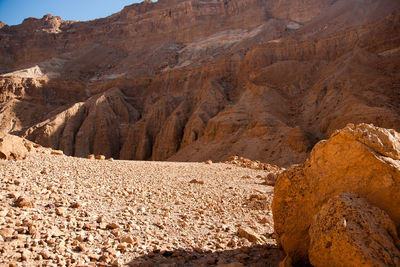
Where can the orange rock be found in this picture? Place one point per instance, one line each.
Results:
(362, 159)
(57, 152)
(348, 231)
(100, 157)
(194, 181)
(22, 202)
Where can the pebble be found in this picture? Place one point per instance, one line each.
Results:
(61, 211)
(57, 152)
(22, 202)
(81, 211)
(112, 226)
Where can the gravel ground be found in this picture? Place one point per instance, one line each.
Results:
(59, 210)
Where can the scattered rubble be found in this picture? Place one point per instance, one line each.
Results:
(59, 210)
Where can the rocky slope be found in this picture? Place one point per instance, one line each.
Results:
(196, 80)
(68, 211)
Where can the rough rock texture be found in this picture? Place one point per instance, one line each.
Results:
(363, 159)
(13, 147)
(95, 126)
(262, 79)
(57, 210)
(348, 231)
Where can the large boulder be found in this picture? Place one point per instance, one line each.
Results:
(363, 159)
(13, 147)
(348, 231)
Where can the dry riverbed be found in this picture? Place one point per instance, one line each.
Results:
(59, 210)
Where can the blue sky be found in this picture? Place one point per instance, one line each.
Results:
(13, 12)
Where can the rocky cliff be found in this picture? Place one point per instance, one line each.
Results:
(195, 80)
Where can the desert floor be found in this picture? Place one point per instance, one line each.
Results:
(59, 210)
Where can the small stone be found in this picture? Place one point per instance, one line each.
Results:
(95, 257)
(100, 157)
(103, 226)
(89, 226)
(45, 254)
(32, 230)
(112, 251)
(194, 181)
(26, 255)
(57, 152)
(99, 219)
(80, 247)
(113, 226)
(257, 197)
(44, 171)
(248, 234)
(23, 202)
(121, 247)
(110, 159)
(271, 179)
(208, 162)
(231, 243)
(60, 211)
(20, 230)
(90, 238)
(3, 213)
(6, 232)
(127, 239)
(91, 156)
(75, 205)
(116, 263)
(55, 231)
(14, 195)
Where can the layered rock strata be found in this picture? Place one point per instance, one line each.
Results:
(203, 79)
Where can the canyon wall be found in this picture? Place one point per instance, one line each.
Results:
(198, 80)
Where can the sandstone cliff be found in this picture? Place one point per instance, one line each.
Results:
(197, 80)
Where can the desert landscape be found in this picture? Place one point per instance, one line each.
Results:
(203, 133)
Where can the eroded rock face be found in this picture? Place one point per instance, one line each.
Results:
(362, 159)
(299, 11)
(96, 126)
(348, 231)
(203, 80)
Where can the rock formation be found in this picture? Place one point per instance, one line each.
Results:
(348, 231)
(362, 159)
(200, 80)
(95, 126)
